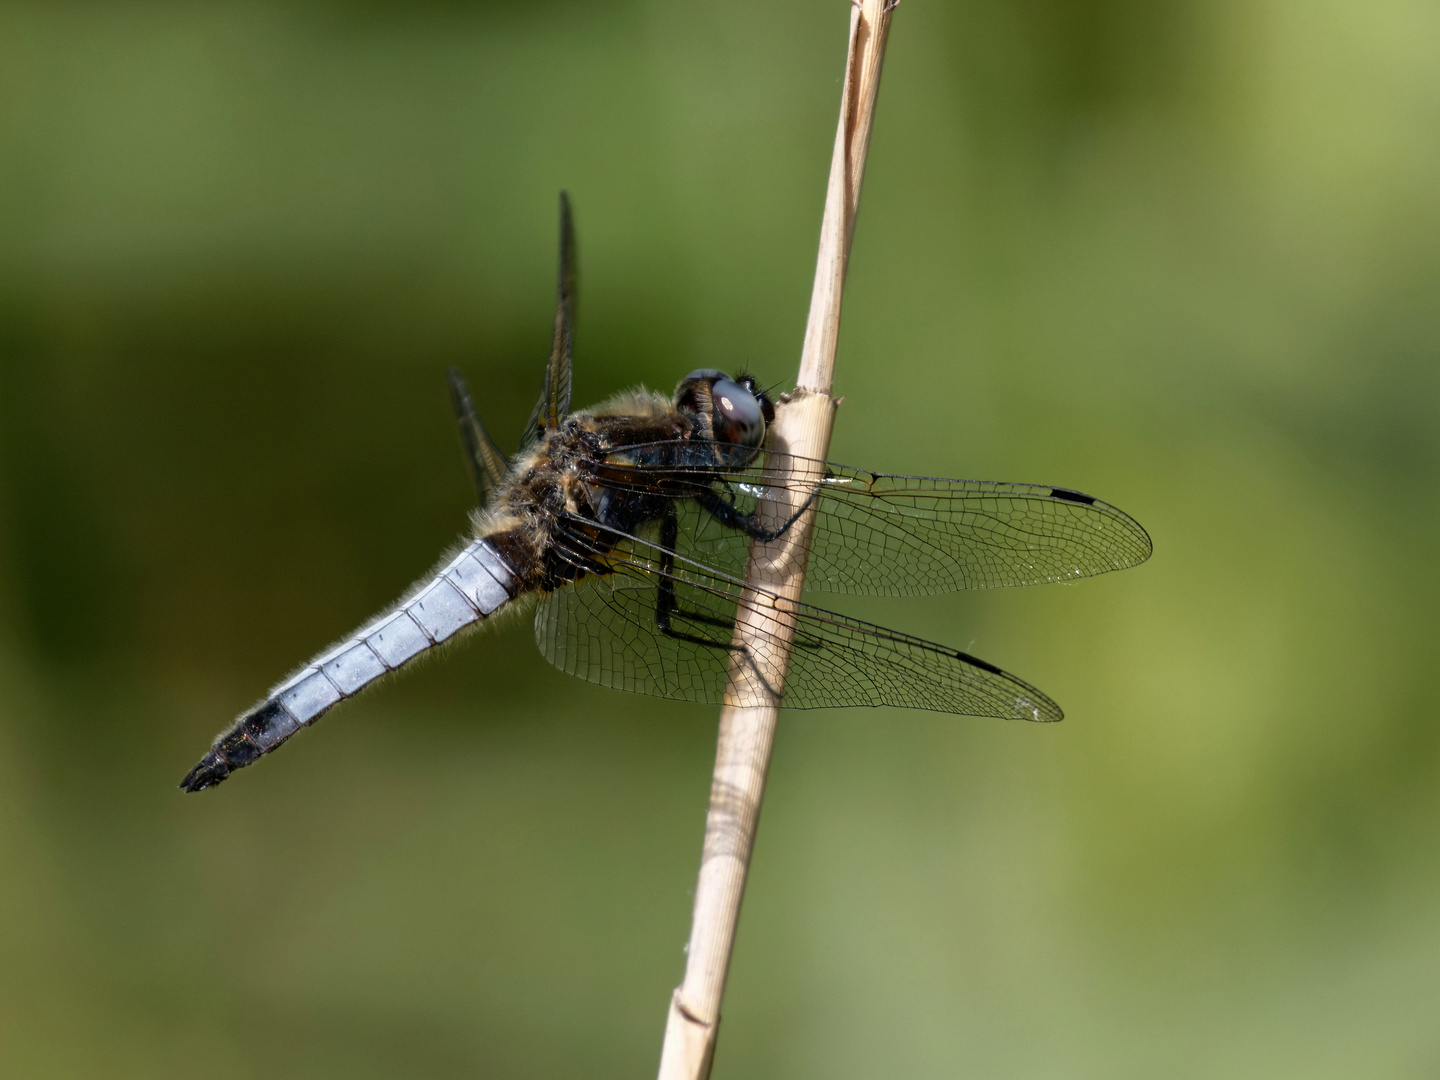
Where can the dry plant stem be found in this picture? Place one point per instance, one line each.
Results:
(775, 575)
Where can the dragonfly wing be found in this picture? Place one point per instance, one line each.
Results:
(910, 535)
(888, 535)
(488, 465)
(843, 661)
(554, 403)
(606, 631)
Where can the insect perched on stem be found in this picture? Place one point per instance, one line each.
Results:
(628, 526)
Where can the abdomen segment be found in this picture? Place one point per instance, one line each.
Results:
(472, 587)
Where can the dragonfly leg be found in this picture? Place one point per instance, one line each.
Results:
(725, 512)
(667, 605)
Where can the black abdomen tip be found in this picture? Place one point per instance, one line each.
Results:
(241, 745)
(211, 770)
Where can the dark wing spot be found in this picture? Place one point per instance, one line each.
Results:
(1072, 496)
(981, 664)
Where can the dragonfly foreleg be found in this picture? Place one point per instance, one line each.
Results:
(728, 514)
(667, 604)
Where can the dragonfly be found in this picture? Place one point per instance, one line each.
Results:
(627, 527)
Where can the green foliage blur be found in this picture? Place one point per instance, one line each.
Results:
(1184, 255)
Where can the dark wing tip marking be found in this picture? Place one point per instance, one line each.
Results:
(975, 661)
(1032, 705)
(1072, 496)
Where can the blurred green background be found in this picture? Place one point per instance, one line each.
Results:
(1183, 254)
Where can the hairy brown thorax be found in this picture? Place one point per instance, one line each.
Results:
(554, 481)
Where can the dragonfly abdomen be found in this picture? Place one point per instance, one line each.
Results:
(474, 585)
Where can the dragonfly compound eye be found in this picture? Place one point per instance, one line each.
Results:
(738, 416)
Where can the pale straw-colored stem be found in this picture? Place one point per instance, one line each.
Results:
(776, 574)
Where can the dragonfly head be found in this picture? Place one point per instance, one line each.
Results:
(738, 410)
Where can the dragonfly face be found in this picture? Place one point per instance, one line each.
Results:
(738, 410)
(628, 527)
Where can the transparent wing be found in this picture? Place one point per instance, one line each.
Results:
(605, 630)
(488, 465)
(554, 403)
(882, 534)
